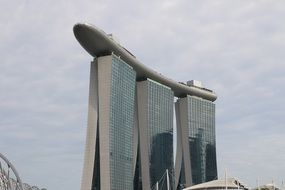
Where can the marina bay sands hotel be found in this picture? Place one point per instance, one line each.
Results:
(130, 144)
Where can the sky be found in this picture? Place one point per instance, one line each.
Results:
(235, 47)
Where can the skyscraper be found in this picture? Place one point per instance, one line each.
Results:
(155, 123)
(196, 156)
(129, 142)
(113, 128)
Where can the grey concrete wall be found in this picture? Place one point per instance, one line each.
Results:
(142, 101)
(182, 133)
(178, 160)
(136, 134)
(89, 156)
(104, 84)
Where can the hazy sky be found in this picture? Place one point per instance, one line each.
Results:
(237, 48)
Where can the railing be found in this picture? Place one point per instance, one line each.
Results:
(168, 177)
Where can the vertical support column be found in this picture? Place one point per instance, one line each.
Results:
(178, 160)
(136, 134)
(182, 133)
(185, 141)
(142, 102)
(104, 81)
(89, 156)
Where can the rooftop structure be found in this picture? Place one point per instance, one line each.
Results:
(97, 43)
(229, 183)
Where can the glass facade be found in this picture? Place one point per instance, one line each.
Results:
(201, 138)
(121, 128)
(160, 126)
(121, 125)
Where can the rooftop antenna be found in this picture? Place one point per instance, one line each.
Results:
(257, 183)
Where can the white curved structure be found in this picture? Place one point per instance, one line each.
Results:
(97, 43)
(7, 174)
(221, 184)
(5, 179)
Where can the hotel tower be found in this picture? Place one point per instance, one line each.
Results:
(129, 143)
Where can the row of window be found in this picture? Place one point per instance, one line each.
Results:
(122, 98)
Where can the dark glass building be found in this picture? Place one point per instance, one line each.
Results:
(155, 123)
(114, 127)
(197, 121)
(202, 139)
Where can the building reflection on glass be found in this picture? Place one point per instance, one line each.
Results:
(162, 158)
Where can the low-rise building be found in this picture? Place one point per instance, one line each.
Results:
(229, 183)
